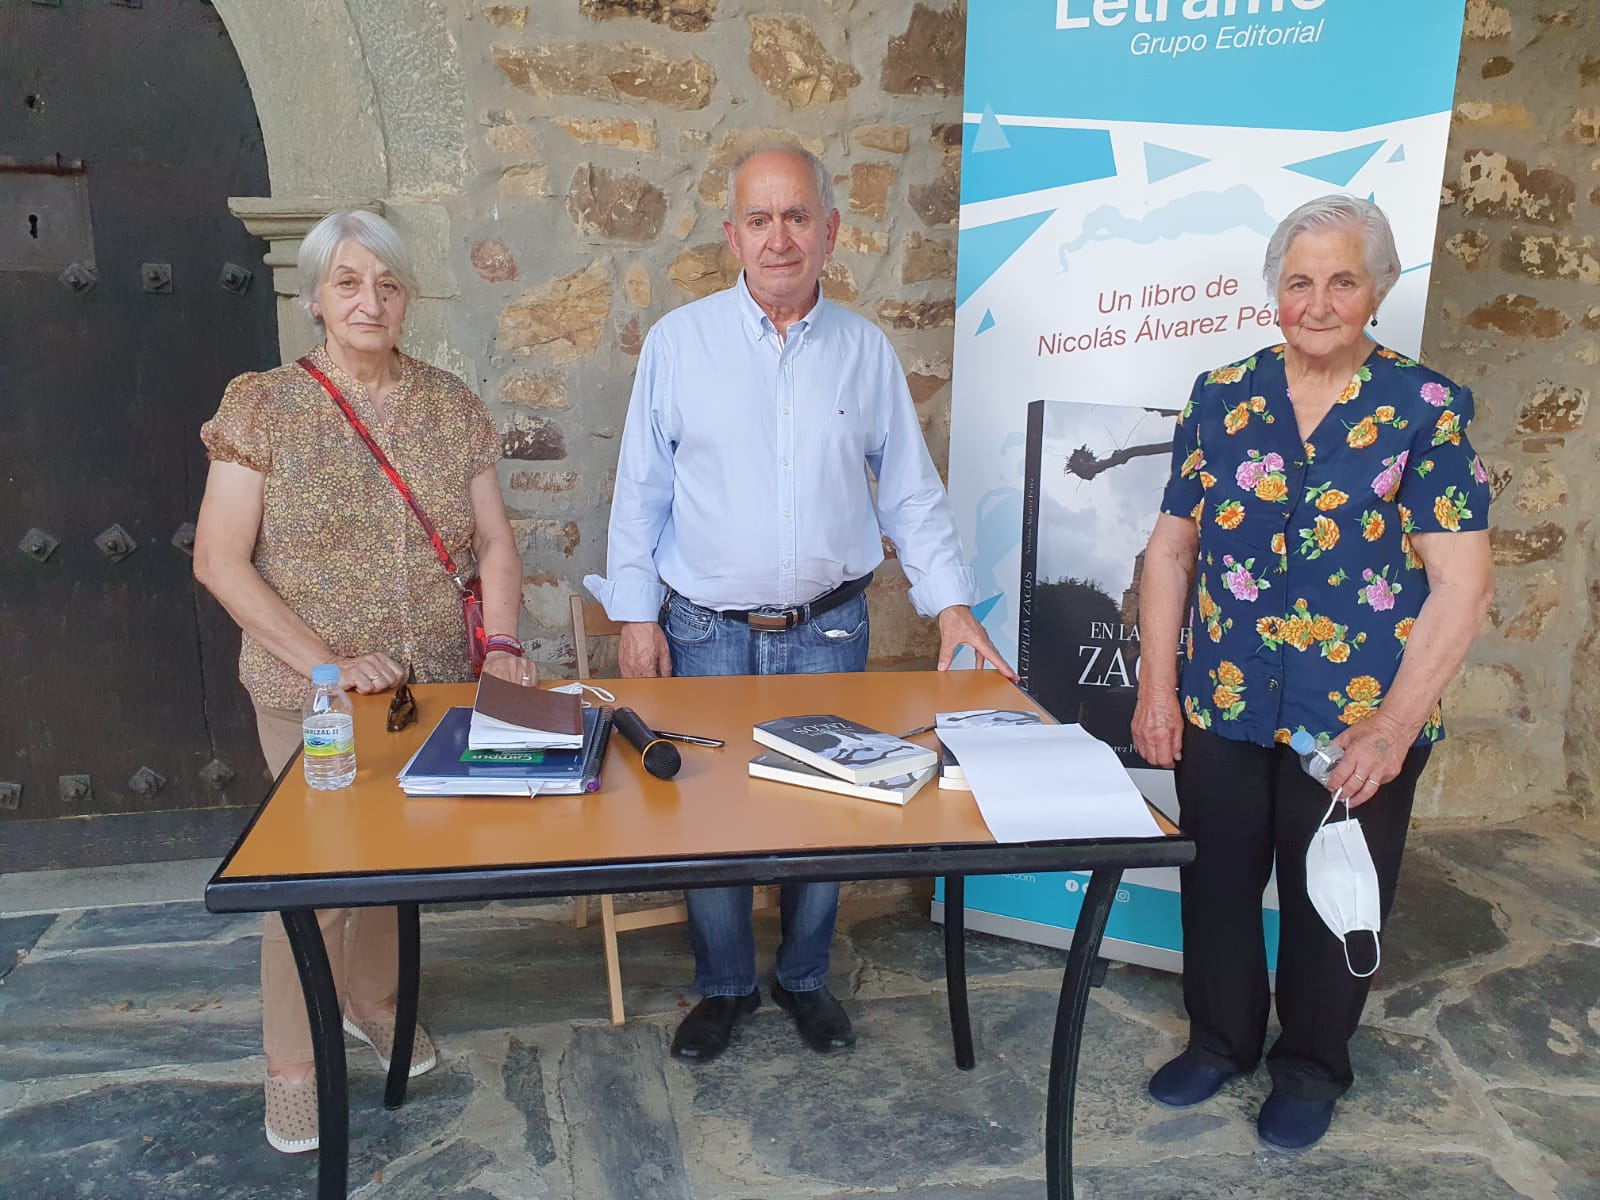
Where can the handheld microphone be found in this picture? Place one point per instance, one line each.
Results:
(661, 757)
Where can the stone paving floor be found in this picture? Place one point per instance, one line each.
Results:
(130, 1062)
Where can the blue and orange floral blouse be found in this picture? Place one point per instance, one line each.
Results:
(1307, 584)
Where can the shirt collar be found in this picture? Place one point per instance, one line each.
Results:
(756, 321)
(353, 391)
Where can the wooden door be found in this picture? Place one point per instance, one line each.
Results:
(128, 298)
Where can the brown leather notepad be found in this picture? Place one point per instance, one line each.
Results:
(529, 708)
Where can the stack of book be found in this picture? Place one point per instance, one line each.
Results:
(447, 764)
(951, 776)
(513, 741)
(834, 754)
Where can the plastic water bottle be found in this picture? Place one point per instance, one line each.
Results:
(1317, 754)
(329, 728)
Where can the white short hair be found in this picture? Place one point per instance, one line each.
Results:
(356, 225)
(819, 173)
(1337, 211)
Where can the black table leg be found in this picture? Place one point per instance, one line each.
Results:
(405, 1007)
(327, 1046)
(1091, 927)
(955, 967)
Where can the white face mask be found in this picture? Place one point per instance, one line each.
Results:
(1342, 883)
(578, 689)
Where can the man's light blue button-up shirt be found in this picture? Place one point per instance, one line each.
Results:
(745, 475)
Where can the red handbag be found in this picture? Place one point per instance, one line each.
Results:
(472, 589)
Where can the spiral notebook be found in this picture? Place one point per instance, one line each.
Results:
(446, 765)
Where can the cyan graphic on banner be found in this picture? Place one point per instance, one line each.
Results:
(1033, 159)
(1340, 167)
(987, 247)
(1197, 213)
(1161, 162)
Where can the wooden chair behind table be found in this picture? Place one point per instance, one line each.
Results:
(589, 620)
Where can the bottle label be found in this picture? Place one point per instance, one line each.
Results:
(328, 741)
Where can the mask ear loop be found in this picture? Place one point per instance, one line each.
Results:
(1337, 796)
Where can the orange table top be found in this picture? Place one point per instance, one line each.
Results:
(712, 808)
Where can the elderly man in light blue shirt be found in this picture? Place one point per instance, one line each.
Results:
(744, 531)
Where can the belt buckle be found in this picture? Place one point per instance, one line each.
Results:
(772, 622)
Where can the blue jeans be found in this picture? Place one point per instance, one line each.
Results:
(719, 918)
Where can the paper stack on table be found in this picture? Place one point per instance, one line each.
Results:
(507, 716)
(1040, 783)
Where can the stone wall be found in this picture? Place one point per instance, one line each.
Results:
(1514, 314)
(559, 169)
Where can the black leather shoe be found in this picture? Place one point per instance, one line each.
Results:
(819, 1017)
(705, 1031)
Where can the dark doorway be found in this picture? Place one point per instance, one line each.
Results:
(128, 298)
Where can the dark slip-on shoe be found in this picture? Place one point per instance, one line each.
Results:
(1186, 1081)
(819, 1017)
(1293, 1122)
(705, 1031)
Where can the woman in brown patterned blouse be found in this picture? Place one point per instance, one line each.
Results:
(312, 550)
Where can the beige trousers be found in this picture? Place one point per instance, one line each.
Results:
(363, 943)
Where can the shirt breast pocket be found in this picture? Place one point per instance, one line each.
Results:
(843, 429)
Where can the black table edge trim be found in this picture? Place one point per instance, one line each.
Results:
(526, 881)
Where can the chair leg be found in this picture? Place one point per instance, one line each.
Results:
(580, 911)
(608, 923)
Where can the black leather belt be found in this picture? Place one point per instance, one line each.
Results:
(769, 621)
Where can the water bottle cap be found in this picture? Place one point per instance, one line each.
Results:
(1302, 742)
(325, 673)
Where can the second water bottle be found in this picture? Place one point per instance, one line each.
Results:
(1317, 754)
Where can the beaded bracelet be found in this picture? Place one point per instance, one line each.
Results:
(504, 644)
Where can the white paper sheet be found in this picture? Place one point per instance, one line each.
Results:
(1038, 783)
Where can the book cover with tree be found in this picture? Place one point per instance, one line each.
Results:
(1094, 478)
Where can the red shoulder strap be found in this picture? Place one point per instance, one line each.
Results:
(388, 468)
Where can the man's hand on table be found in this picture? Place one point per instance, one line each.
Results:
(957, 628)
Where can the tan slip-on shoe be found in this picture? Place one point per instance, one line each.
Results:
(378, 1032)
(291, 1122)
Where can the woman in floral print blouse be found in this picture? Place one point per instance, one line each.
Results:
(314, 553)
(1324, 529)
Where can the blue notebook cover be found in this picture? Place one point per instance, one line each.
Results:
(441, 755)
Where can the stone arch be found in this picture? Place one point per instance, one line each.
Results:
(361, 104)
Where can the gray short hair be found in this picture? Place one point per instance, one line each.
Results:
(354, 225)
(819, 173)
(1334, 212)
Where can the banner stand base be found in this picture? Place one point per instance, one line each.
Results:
(1053, 935)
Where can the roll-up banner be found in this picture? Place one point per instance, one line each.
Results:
(1123, 164)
